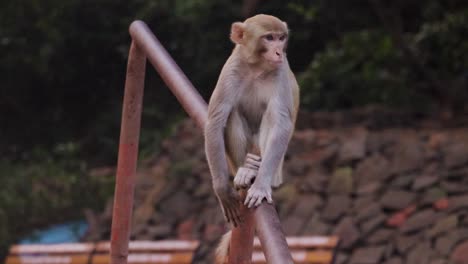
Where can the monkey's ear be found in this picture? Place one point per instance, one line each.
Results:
(237, 32)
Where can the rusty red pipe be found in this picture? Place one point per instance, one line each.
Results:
(271, 235)
(242, 239)
(128, 155)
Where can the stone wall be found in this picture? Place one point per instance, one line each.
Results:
(394, 195)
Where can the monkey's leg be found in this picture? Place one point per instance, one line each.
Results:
(261, 188)
(236, 136)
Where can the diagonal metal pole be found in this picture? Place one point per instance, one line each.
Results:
(271, 235)
(171, 74)
(128, 155)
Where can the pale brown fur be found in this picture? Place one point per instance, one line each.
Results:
(222, 251)
(254, 106)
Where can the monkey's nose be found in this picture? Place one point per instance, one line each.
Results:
(279, 55)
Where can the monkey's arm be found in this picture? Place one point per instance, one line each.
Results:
(280, 130)
(219, 108)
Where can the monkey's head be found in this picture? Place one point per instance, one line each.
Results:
(262, 39)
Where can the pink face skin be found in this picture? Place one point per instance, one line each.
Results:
(274, 44)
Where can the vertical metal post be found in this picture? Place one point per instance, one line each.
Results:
(242, 239)
(128, 155)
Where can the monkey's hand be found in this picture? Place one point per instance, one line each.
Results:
(229, 200)
(256, 193)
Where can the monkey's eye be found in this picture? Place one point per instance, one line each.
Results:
(269, 37)
(283, 37)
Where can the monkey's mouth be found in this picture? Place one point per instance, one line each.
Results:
(275, 62)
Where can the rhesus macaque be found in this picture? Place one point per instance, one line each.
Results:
(253, 108)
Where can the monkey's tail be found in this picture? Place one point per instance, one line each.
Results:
(222, 251)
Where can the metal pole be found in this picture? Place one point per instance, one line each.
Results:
(271, 235)
(171, 74)
(242, 239)
(128, 155)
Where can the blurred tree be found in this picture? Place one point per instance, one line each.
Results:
(392, 64)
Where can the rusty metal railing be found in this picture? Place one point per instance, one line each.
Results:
(146, 45)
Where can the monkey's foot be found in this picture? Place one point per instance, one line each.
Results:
(252, 161)
(244, 177)
(246, 174)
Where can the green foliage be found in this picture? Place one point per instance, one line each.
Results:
(443, 45)
(46, 190)
(365, 67)
(309, 13)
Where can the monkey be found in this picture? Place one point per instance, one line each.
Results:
(251, 117)
(253, 108)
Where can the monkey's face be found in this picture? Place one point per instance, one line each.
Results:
(262, 40)
(272, 47)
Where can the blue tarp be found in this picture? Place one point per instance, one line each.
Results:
(63, 233)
